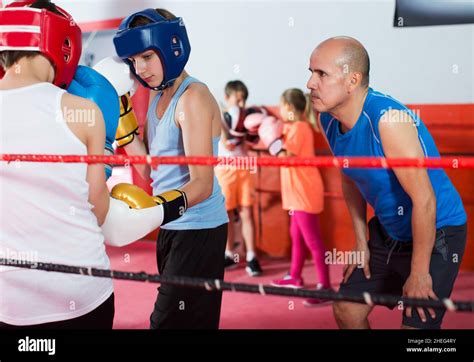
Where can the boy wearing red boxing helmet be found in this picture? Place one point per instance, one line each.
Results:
(52, 220)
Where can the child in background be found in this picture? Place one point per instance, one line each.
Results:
(237, 187)
(302, 194)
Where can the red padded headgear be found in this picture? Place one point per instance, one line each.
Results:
(57, 37)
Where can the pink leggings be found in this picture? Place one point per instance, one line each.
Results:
(306, 233)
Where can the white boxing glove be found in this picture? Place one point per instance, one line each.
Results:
(118, 74)
(124, 225)
(133, 213)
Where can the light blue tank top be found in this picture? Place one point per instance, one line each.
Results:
(380, 187)
(165, 139)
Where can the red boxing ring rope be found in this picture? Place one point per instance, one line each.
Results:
(317, 161)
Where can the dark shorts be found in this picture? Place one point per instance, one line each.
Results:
(190, 253)
(100, 318)
(390, 264)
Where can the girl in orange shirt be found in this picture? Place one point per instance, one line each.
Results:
(302, 194)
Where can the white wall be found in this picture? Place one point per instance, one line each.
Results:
(267, 44)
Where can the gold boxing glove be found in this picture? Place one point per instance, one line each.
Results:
(173, 202)
(128, 125)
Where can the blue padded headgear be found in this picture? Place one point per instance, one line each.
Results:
(168, 38)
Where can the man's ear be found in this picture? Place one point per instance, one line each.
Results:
(355, 81)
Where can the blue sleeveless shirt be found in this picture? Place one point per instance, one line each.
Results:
(380, 187)
(165, 139)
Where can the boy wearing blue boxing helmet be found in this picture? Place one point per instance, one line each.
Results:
(183, 119)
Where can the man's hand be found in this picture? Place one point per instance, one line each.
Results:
(349, 268)
(419, 286)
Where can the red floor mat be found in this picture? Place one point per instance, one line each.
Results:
(134, 300)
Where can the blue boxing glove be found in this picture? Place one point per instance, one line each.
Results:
(90, 84)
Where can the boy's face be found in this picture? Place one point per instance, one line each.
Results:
(148, 67)
(235, 99)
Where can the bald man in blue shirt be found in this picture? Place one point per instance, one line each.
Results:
(418, 235)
